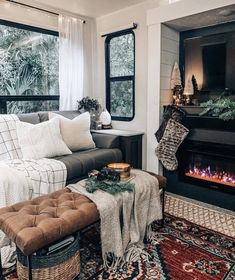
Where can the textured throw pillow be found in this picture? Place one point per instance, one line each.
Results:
(42, 140)
(76, 132)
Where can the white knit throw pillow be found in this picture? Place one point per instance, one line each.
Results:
(76, 132)
(42, 140)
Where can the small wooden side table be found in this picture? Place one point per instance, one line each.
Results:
(130, 144)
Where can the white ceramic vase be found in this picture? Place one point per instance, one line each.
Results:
(105, 117)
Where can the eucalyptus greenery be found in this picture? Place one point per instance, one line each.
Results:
(88, 104)
(223, 108)
(122, 63)
(112, 187)
(29, 65)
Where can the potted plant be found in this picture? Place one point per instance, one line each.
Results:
(87, 104)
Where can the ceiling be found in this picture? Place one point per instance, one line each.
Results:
(98, 8)
(91, 8)
(212, 17)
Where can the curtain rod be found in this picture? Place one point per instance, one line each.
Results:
(36, 8)
(135, 25)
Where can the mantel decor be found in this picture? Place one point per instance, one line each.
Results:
(176, 85)
(223, 108)
(188, 91)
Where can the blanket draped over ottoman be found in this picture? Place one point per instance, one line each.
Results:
(125, 217)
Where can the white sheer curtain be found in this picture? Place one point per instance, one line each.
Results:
(71, 61)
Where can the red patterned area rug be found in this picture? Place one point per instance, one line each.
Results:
(180, 251)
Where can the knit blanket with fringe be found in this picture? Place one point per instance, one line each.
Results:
(125, 218)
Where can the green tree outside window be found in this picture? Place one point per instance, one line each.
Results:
(29, 65)
(120, 75)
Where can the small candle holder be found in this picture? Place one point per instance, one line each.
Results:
(124, 169)
(188, 99)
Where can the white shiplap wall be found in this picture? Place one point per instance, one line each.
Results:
(169, 54)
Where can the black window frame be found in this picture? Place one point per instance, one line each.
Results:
(29, 27)
(6, 98)
(119, 78)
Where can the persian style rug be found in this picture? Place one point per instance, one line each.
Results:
(196, 243)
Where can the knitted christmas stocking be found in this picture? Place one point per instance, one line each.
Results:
(170, 112)
(173, 136)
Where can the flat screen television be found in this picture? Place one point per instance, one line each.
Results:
(214, 66)
(210, 58)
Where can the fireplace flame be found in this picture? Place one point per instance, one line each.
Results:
(215, 175)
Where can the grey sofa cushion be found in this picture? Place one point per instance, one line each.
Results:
(106, 141)
(80, 163)
(32, 118)
(43, 116)
(68, 114)
(35, 118)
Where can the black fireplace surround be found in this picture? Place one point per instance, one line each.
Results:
(206, 170)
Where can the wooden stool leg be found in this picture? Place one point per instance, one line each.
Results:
(30, 277)
(78, 276)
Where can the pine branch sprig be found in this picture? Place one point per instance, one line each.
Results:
(223, 108)
(92, 185)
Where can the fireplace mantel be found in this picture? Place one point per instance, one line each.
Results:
(193, 120)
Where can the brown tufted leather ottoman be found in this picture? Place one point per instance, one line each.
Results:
(34, 224)
(39, 222)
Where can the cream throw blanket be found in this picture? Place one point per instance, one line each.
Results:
(126, 217)
(21, 180)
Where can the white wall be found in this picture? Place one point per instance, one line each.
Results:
(118, 21)
(169, 55)
(20, 14)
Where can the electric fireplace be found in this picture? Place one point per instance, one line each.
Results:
(206, 170)
(212, 166)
